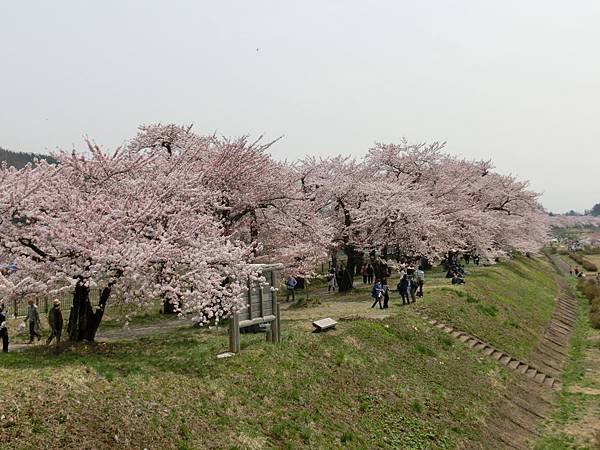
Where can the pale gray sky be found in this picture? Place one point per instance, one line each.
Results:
(514, 81)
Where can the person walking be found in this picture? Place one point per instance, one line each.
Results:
(413, 288)
(402, 270)
(33, 318)
(376, 293)
(420, 278)
(290, 285)
(386, 293)
(331, 281)
(365, 274)
(55, 320)
(404, 288)
(3, 329)
(370, 273)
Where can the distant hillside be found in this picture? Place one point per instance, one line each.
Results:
(19, 160)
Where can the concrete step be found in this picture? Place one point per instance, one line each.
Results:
(488, 350)
(540, 377)
(504, 360)
(513, 364)
(531, 373)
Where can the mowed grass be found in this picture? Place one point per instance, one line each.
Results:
(395, 383)
(508, 305)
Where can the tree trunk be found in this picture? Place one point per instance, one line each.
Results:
(381, 269)
(355, 261)
(83, 320)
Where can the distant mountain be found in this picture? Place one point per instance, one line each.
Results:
(19, 160)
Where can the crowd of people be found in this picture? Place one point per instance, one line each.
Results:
(410, 271)
(32, 320)
(339, 279)
(578, 273)
(409, 287)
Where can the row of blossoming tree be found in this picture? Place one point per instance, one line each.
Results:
(183, 217)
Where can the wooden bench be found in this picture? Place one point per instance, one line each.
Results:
(324, 325)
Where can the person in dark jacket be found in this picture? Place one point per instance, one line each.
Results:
(55, 320)
(386, 293)
(457, 280)
(377, 293)
(413, 288)
(33, 317)
(3, 329)
(370, 272)
(404, 289)
(364, 273)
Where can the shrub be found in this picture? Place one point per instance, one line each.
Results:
(591, 291)
(595, 314)
(586, 264)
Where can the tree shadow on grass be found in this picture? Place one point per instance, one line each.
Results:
(184, 352)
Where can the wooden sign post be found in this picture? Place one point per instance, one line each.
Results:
(262, 308)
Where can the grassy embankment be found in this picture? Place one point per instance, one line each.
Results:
(574, 423)
(394, 383)
(508, 305)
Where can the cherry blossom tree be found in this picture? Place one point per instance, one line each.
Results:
(422, 202)
(111, 221)
(452, 203)
(259, 200)
(180, 216)
(336, 189)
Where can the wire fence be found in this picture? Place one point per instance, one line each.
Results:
(18, 307)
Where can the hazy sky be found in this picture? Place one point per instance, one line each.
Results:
(517, 82)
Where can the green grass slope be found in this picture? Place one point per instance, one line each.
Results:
(395, 384)
(392, 383)
(508, 305)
